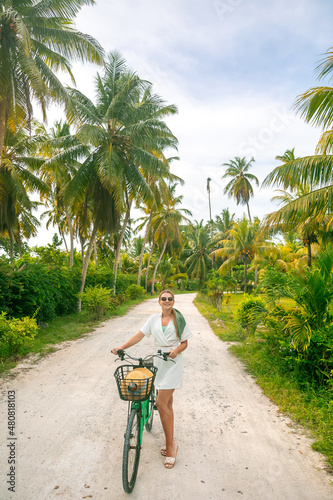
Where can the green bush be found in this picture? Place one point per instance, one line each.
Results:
(15, 333)
(99, 275)
(191, 285)
(135, 292)
(96, 300)
(312, 367)
(215, 286)
(273, 282)
(30, 287)
(251, 312)
(116, 301)
(124, 281)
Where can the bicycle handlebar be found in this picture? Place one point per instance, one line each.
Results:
(162, 355)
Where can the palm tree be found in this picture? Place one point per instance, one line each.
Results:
(240, 245)
(240, 186)
(312, 291)
(199, 262)
(306, 222)
(209, 205)
(55, 217)
(162, 195)
(316, 107)
(126, 135)
(27, 224)
(288, 155)
(169, 273)
(57, 175)
(223, 223)
(16, 183)
(37, 38)
(166, 229)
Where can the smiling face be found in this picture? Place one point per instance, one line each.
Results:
(166, 301)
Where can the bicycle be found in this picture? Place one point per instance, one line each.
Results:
(139, 391)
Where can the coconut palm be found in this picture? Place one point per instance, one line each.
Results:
(290, 216)
(17, 183)
(199, 262)
(126, 135)
(241, 245)
(316, 107)
(37, 38)
(57, 175)
(56, 218)
(166, 229)
(288, 155)
(223, 223)
(240, 186)
(162, 195)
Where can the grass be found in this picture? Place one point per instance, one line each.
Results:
(61, 329)
(223, 322)
(310, 407)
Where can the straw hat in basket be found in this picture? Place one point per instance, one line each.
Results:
(134, 384)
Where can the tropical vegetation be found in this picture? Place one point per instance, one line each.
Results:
(103, 178)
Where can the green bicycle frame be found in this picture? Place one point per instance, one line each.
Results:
(144, 414)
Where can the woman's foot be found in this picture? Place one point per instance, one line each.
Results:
(163, 449)
(169, 462)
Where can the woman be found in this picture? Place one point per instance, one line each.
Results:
(171, 334)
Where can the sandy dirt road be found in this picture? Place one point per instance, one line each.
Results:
(233, 443)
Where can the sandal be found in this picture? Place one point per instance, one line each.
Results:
(163, 451)
(169, 462)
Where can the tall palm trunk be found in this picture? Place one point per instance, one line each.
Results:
(148, 264)
(71, 237)
(245, 276)
(85, 262)
(19, 242)
(82, 241)
(157, 264)
(143, 246)
(62, 234)
(3, 123)
(308, 246)
(95, 250)
(117, 257)
(11, 244)
(248, 211)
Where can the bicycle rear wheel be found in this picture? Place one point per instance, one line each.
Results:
(131, 455)
(152, 401)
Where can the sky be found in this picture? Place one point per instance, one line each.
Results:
(234, 68)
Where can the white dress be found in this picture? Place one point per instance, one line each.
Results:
(169, 374)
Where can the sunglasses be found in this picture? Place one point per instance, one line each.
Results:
(170, 299)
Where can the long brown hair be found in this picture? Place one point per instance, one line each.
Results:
(173, 314)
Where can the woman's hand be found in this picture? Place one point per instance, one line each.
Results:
(115, 350)
(174, 353)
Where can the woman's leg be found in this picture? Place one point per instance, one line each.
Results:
(165, 408)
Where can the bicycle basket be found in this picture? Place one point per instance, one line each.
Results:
(135, 383)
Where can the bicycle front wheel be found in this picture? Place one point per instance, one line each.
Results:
(131, 455)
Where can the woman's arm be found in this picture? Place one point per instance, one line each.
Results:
(132, 341)
(173, 354)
